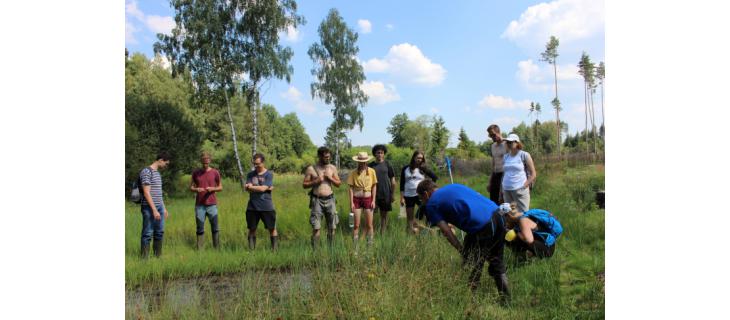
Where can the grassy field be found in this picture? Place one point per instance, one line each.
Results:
(400, 277)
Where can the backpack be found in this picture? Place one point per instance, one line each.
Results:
(549, 228)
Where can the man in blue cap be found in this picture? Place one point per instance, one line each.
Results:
(476, 215)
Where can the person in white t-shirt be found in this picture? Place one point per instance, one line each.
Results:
(519, 174)
(410, 177)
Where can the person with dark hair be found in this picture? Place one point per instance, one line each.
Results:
(385, 194)
(498, 148)
(259, 184)
(320, 178)
(533, 233)
(410, 177)
(519, 174)
(206, 181)
(153, 208)
(479, 217)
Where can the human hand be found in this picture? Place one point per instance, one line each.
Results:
(372, 203)
(209, 189)
(352, 207)
(155, 214)
(402, 201)
(166, 214)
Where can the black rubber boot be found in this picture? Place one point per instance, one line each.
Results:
(503, 287)
(216, 240)
(274, 243)
(315, 242)
(145, 251)
(157, 247)
(251, 243)
(200, 241)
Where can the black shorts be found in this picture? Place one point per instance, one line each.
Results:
(412, 201)
(384, 205)
(253, 217)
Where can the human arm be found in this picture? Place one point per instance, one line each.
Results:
(373, 192)
(449, 235)
(525, 233)
(532, 174)
(218, 187)
(193, 185)
(334, 177)
(403, 185)
(352, 200)
(148, 197)
(311, 178)
(429, 173)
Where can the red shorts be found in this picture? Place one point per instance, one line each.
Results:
(363, 203)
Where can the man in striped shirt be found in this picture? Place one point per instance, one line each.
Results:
(154, 212)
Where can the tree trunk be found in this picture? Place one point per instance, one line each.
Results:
(593, 125)
(337, 140)
(557, 110)
(254, 107)
(585, 104)
(603, 115)
(233, 136)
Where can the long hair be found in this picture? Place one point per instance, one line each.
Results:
(412, 165)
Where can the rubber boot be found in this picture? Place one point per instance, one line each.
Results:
(251, 242)
(145, 252)
(315, 242)
(503, 287)
(216, 240)
(157, 247)
(274, 242)
(200, 241)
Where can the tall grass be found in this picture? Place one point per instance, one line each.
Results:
(400, 277)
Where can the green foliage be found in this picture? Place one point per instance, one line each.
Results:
(338, 74)
(157, 118)
(397, 130)
(439, 139)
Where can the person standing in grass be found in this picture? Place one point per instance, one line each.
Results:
(386, 182)
(320, 178)
(259, 184)
(410, 177)
(499, 148)
(476, 215)
(153, 208)
(363, 183)
(519, 174)
(206, 181)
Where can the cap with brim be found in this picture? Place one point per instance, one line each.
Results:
(512, 137)
(362, 157)
(504, 208)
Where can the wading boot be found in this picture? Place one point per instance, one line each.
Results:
(315, 242)
(274, 243)
(251, 243)
(157, 247)
(145, 252)
(216, 240)
(503, 287)
(200, 241)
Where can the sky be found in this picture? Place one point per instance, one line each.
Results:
(474, 63)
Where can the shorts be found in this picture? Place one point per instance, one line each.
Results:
(384, 205)
(253, 217)
(521, 196)
(323, 209)
(362, 203)
(412, 201)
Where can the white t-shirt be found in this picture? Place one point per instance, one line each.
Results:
(514, 171)
(412, 180)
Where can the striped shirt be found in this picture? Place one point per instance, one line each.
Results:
(152, 178)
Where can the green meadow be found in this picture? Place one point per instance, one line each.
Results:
(400, 277)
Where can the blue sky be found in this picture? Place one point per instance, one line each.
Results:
(472, 62)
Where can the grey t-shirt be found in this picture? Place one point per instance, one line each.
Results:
(384, 172)
(260, 201)
(498, 152)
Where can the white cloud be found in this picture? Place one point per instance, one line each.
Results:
(541, 77)
(435, 110)
(294, 96)
(292, 34)
(365, 25)
(129, 30)
(161, 61)
(379, 93)
(389, 26)
(568, 20)
(500, 102)
(158, 24)
(406, 62)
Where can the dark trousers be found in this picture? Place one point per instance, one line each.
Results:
(495, 182)
(485, 245)
(537, 248)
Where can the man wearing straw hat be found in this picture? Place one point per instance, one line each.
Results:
(363, 184)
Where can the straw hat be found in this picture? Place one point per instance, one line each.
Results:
(362, 156)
